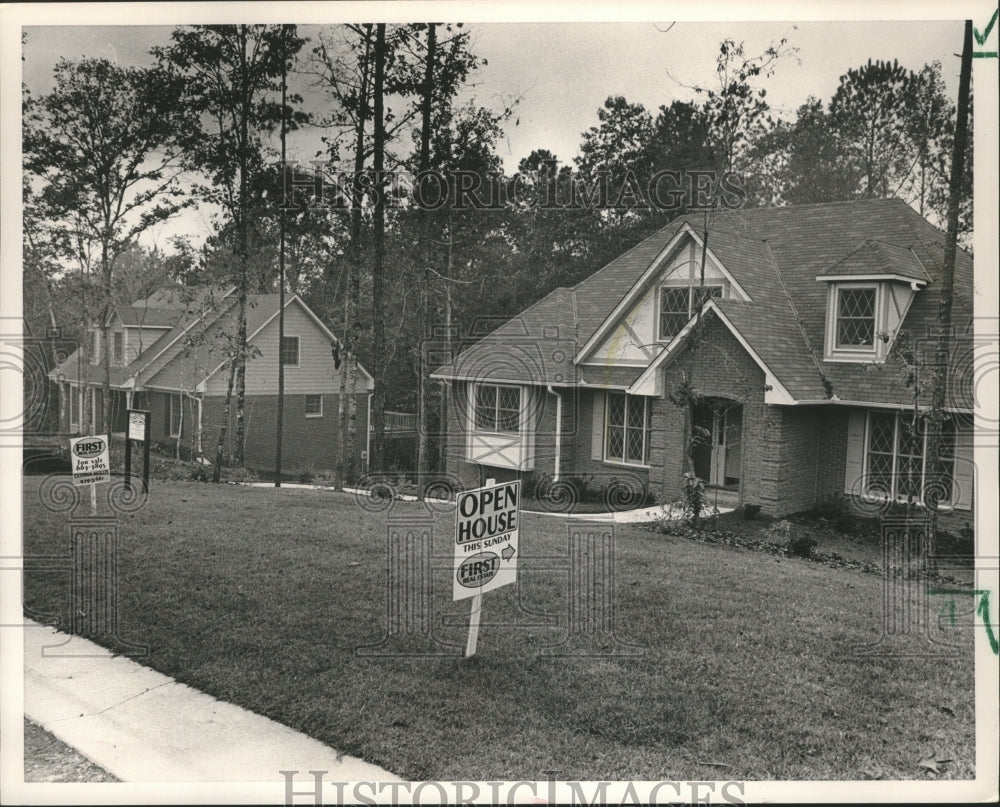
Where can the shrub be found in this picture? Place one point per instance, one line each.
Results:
(837, 512)
(200, 473)
(800, 544)
(307, 477)
(694, 497)
(751, 511)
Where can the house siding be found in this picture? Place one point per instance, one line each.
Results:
(315, 373)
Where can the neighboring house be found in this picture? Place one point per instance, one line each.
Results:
(167, 356)
(788, 376)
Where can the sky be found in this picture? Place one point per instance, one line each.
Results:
(561, 73)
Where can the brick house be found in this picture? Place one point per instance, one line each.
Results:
(167, 357)
(783, 358)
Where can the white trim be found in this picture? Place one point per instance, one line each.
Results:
(647, 432)
(496, 408)
(306, 397)
(831, 351)
(315, 319)
(913, 283)
(201, 317)
(639, 286)
(894, 473)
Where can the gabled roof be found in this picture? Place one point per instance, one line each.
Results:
(142, 317)
(776, 254)
(535, 347)
(188, 352)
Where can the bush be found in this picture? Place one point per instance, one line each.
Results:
(307, 477)
(751, 511)
(836, 511)
(800, 544)
(201, 473)
(694, 497)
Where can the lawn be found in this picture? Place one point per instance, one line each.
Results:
(749, 667)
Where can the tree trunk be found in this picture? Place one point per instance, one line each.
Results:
(378, 268)
(106, 395)
(352, 300)
(217, 471)
(943, 347)
(423, 382)
(241, 334)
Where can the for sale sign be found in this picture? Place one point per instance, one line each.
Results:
(486, 532)
(137, 424)
(90, 459)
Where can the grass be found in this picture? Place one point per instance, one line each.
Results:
(260, 597)
(48, 759)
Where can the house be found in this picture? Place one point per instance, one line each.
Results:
(167, 356)
(780, 348)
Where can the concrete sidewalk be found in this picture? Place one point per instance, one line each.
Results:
(142, 726)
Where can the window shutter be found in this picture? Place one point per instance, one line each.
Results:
(855, 451)
(597, 430)
(964, 467)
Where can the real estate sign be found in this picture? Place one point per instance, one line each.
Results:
(91, 463)
(486, 532)
(137, 424)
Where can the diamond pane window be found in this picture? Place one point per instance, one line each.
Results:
(497, 409)
(699, 294)
(896, 449)
(508, 409)
(856, 318)
(674, 310)
(627, 430)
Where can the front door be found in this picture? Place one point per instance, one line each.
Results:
(718, 442)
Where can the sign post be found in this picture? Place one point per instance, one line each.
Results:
(91, 464)
(486, 534)
(138, 430)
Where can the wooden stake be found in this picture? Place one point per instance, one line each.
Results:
(477, 607)
(472, 641)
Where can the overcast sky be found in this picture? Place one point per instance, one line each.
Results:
(562, 72)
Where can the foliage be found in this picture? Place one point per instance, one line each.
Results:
(694, 496)
(799, 543)
(750, 511)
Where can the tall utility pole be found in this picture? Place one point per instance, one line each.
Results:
(281, 273)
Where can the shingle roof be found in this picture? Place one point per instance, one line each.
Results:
(875, 258)
(776, 254)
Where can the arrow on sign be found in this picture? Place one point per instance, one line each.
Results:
(507, 552)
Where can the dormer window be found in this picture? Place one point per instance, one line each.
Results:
(869, 291)
(856, 317)
(679, 302)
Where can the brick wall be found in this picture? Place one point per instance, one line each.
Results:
(602, 472)
(718, 366)
(307, 443)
